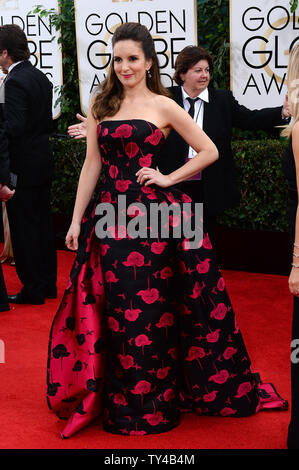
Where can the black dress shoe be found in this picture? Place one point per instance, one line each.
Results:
(4, 309)
(22, 298)
(51, 293)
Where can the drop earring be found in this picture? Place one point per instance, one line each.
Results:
(148, 73)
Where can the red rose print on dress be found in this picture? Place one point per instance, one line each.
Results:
(243, 390)
(166, 273)
(113, 324)
(229, 353)
(169, 394)
(141, 341)
(163, 372)
(227, 411)
(197, 290)
(195, 353)
(105, 196)
(220, 377)
(186, 244)
(146, 160)
(158, 247)
(104, 248)
(219, 311)
(141, 388)
(149, 296)
(206, 243)
(166, 321)
(137, 433)
(120, 400)
(203, 266)
(110, 277)
(132, 314)
(134, 260)
(131, 149)
(150, 192)
(122, 185)
(126, 361)
(210, 396)
(155, 418)
(172, 199)
(221, 284)
(213, 336)
(122, 131)
(154, 138)
(113, 171)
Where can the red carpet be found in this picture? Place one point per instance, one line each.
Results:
(263, 308)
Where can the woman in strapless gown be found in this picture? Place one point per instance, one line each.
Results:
(290, 164)
(145, 328)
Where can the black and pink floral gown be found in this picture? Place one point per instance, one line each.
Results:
(145, 328)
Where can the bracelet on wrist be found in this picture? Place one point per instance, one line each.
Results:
(295, 265)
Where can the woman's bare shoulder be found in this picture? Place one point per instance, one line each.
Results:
(295, 130)
(166, 104)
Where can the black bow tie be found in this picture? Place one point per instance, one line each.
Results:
(192, 102)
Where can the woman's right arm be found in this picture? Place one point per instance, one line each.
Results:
(294, 275)
(87, 182)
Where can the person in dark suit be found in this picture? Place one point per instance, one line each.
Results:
(27, 116)
(5, 194)
(217, 112)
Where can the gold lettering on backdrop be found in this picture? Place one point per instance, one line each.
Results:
(264, 44)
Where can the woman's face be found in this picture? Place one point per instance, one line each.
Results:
(129, 62)
(197, 78)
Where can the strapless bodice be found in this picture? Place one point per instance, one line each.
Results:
(126, 146)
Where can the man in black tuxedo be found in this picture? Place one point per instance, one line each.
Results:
(5, 194)
(217, 112)
(27, 116)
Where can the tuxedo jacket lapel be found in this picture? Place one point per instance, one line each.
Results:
(208, 112)
(178, 98)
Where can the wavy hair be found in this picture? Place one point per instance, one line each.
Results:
(293, 89)
(111, 93)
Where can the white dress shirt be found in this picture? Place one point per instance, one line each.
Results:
(198, 115)
(13, 65)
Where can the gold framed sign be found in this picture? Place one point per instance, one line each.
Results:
(261, 35)
(172, 23)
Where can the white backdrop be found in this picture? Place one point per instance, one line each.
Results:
(172, 23)
(262, 32)
(45, 52)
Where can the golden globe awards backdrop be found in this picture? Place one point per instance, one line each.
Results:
(261, 33)
(45, 51)
(172, 23)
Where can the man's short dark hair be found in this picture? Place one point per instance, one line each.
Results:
(13, 39)
(187, 58)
